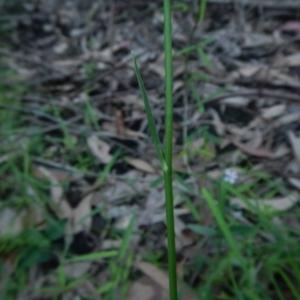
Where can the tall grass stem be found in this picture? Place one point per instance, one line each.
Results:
(165, 154)
(168, 174)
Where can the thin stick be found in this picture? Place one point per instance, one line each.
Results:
(266, 3)
(168, 150)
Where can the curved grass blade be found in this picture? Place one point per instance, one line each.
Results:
(154, 135)
(222, 224)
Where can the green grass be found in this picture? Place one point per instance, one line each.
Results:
(23, 194)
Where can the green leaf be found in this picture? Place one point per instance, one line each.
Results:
(191, 48)
(55, 229)
(202, 230)
(196, 96)
(92, 256)
(154, 135)
(106, 287)
(157, 181)
(242, 229)
(185, 50)
(126, 238)
(201, 10)
(221, 222)
(205, 59)
(108, 167)
(180, 6)
(32, 256)
(191, 206)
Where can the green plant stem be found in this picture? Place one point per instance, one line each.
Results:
(169, 150)
(171, 235)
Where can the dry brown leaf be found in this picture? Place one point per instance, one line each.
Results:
(161, 279)
(238, 101)
(119, 122)
(132, 99)
(11, 221)
(177, 85)
(56, 191)
(291, 60)
(292, 167)
(178, 163)
(214, 174)
(80, 212)
(120, 211)
(154, 273)
(286, 119)
(110, 244)
(157, 68)
(155, 199)
(100, 149)
(178, 68)
(117, 191)
(112, 128)
(5, 157)
(147, 289)
(60, 48)
(35, 212)
(247, 71)
(219, 126)
(237, 131)
(274, 111)
(60, 175)
(257, 139)
(77, 269)
(275, 204)
(123, 222)
(74, 216)
(182, 240)
(295, 142)
(294, 182)
(281, 151)
(254, 39)
(104, 55)
(252, 151)
(278, 78)
(140, 164)
(290, 26)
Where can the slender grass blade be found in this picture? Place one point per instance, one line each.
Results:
(154, 135)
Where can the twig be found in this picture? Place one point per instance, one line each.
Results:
(67, 168)
(61, 166)
(257, 93)
(32, 112)
(265, 3)
(32, 60)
